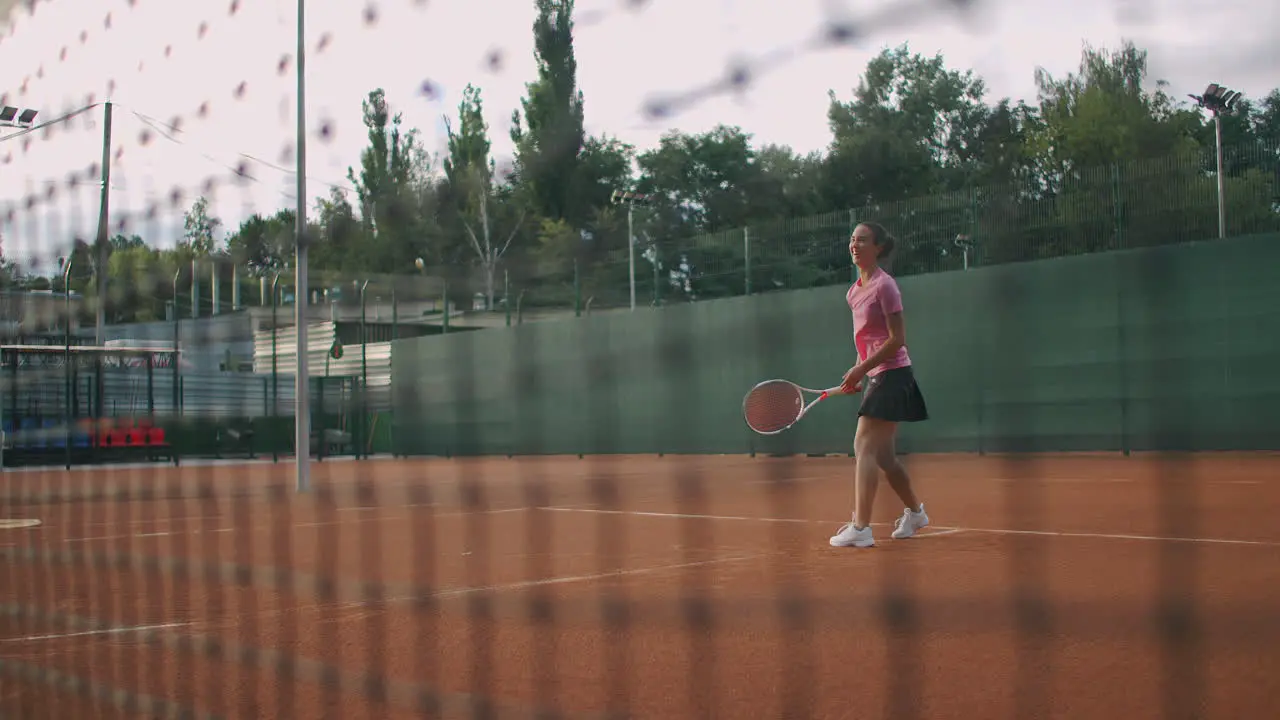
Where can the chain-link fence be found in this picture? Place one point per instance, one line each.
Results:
(479, 451)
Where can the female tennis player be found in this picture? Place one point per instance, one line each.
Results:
(891, 395)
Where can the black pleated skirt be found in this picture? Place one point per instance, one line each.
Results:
(893, 395)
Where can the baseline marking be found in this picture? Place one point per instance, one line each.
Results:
(259, 526)
(18, 524)
(104, 631)
(938, 528)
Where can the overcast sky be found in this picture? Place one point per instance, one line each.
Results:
(154, 61)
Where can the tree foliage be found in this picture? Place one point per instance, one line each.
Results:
(1103, 157)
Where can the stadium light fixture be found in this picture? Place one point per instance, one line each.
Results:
(1219, 99)
(631, 199)
(11, 116)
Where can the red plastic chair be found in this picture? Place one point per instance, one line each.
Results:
(155, 437)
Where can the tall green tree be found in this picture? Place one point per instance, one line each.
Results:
(913, 127)
(549, 137)
(704, 181)
(340, 234)
(390, 168)
(264, 245)
(1103, 113)
(199, 227)
(470, 173)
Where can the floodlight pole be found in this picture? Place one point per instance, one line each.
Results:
(302, 405)
(1222, 180)
(631, 199)
(1218, 99)
(66, 359)
(104, 229)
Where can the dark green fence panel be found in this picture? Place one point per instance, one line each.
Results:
(1159, 348)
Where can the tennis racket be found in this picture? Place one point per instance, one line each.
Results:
(775, 405)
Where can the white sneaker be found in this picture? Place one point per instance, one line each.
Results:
(849, 536)
(909, 523)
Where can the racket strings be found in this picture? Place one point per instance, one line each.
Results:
(773, 406)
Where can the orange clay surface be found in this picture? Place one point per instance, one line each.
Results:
(1091, 586)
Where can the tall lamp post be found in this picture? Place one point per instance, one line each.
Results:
(1218, 99)
(302, 387)
(631, 199)
(24, 118)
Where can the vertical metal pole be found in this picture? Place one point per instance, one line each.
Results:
(506, 294)
(66, 360)
(151, 387)
(746, 255)
(631, 252)
(275, 382)
(657, 259)
(214, 290)
(195, 289)
(577, 289)
(174, 358)
(302, 416)
(104, 240)
(104, 229)
(1222, 180)
(364, 368)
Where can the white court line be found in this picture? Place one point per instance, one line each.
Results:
(524, 584)
(936, 533)
(196, 531)
(20, 524)
(589, 577)
(565, 580)
(808, 478)
(991, 531)
(1062, 480)
(105, 631)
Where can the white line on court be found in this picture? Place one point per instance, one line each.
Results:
(937, 528)
(587, 577)
(1062, 480)
(104, 631)
(19, 524)
(937, 533)
(321, 523)
(522, 585)
(809, 478)
(505, 587)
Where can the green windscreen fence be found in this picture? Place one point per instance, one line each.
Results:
(1165, 348)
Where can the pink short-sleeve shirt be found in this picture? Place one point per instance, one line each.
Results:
(872, 305)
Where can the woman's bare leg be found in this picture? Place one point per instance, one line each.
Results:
(895, 472)
(867, 448)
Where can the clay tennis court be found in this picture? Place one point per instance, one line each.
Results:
(648, 587)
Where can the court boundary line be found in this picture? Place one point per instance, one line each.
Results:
(268, 525)
(101, 631)
(450, 593)
(989, 531)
